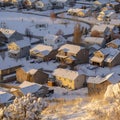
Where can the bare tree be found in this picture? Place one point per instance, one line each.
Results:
(77, 34)
(53, 16)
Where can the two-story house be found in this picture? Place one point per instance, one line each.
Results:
(19, 48)
(54, 40)
(98, 85)
(106, 57)
(31, 75)
(69, 78)
(69, 53)
(43, 52)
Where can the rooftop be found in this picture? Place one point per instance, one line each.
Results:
(71, 48)
(7, 32)
(94, 40)
(65, 73)
(44, 49)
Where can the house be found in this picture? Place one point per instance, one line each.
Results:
(7, 72)
(65, 2)
(69, 53)
(43, 5)
(106, 57)
(57, 4)
(7, 35)
(107, 15)
(54, 40)
(79, 12)
(94, 40)
(31, 75)
(29, 87)
(103, 29)
(84, 12)
(19, 49)
(114, 44)
(98, 85)
(43, 52)
(68, 78)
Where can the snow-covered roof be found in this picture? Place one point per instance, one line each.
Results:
(97, 59)
(5, 97)
(95, 46)
(115, 22)
(112, 77)
(65, 73)
(112, 54)
(51, 37)
(71, 48)
(32, 71)
(22, 43)
(94, 40)
(7, 32)
(102, 27)
(29, 87)
(116, 42)
(44, 49)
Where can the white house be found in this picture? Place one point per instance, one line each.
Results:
(54, 40)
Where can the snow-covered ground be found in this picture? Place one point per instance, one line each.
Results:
(19, 22)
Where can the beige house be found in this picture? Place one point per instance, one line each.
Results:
(43, 52)
(68, 78)
(69, 53)
(8, 35)
(106, 57)
(31, 75)
(19, 48)
(114, 44)
(98, 85)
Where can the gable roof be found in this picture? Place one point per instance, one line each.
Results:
(65, 73)
(112, 54)
(30, 70)
(94, 40)
(71, 48)
(102, 27)
(116, 42)
(112, 78)
(44, 49)
(29, 87)
(7, 32)
(22, 43)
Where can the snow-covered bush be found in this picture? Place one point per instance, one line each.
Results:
(25, 108)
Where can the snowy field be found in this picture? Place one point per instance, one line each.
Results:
(19, 22)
